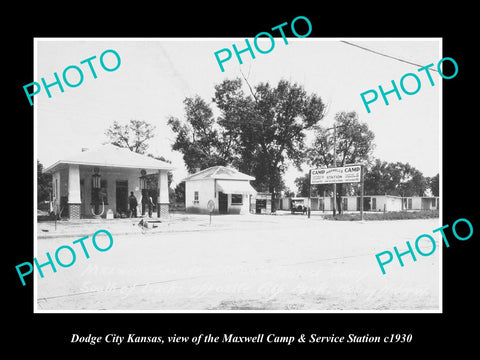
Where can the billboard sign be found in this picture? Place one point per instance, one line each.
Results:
(336, 175)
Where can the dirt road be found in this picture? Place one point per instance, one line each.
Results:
(275, 263)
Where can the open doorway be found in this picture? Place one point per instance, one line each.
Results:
(121, 196)
(222, 203)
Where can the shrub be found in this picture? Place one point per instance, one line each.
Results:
(394, 215)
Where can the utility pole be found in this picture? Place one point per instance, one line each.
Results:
(309, 193)
(334, 165)
(361, 191)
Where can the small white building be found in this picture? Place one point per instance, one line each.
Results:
(228, 189)
(104, 177)
(421, 203)
(261, 203)
(373, 203)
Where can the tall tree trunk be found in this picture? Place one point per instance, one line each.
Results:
(271, 188)
(339, 198)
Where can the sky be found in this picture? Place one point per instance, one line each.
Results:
(155, 76)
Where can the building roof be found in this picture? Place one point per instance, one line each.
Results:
(112, 156)
(219, 172)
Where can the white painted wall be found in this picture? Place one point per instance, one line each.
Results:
(416, 203)
(351, 203)
(206, 192)
(73, 184)
(392, 203)
(244, 208)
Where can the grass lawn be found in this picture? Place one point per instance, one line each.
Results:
(394, 215)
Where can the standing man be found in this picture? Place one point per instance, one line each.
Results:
(132, 202)
(150, 206)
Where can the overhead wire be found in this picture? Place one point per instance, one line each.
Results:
(386, 55)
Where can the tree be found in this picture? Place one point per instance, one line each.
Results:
(133, 135)
(198, 138)
(397, 179)
(433, 184)
(152, 181)
(378, 179)
(268, 126)
(413, 182)
(155, 177)
(44, 184)
(288, 193)
(180, 193)
(256, 133)
(305, 189)
(354, 144)
(303, 185)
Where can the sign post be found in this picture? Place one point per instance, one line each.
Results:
(309, 194)
(346, 174)
(334, 165)
(361, 193)
(210, 207)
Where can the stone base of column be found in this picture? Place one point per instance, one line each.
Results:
(74, 211)
(163, 211)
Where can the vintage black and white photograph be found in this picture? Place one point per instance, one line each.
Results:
(269, 174)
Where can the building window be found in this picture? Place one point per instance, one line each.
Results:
(345, 204)
(195, 197)
(374, 203)
(237, 199)
(434, 203)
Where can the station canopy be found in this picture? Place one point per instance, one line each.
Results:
(109, 155)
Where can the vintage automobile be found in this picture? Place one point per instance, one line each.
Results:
(298, 206)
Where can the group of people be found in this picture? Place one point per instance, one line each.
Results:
(132, 204)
